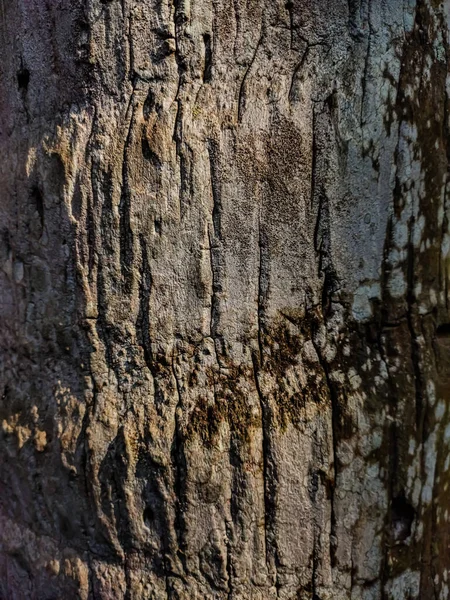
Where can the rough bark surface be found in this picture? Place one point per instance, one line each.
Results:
(224, 324)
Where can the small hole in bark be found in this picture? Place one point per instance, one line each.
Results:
(158, 226)
(148, 517)
(289, 6)
(403, 515)
(443, 331)
(23, 78)
(208, 58)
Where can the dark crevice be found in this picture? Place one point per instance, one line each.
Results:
(143, 321)
(289, 6)
(126, 233)
(179, 469)
(38, 200)
(335, 427)
(269, 473)
(149, 105)
(184, 153)
(402, 518)
(365, 75)
(213, 152)
(215, 258)
(330, 284)
(215, 249)
(23, 79)
(207, 70)
(148, 516)
(314, 157)
(315, 560)
(91, 226)
(186, 187)
(322, 243)
(128, 579)
(229, 565)
(353, 9)
(315, 481)
(443, 331)
(263, 289)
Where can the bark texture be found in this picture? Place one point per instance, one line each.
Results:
(224, 324)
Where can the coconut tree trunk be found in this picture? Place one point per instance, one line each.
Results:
(224, 323)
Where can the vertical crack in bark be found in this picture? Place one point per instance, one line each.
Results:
(297, 70)
(184, 153)
(128, 582)
(131, 72)
(335, 426)
(315, 561)
(126, 232)
(167, 582)
(229, 565)
(215, 303)
(229, 530)
(207, 67)
(322, 239)
(314, 156)
(213, 153)
(91, 237)
(215, 249)
(263, 284)
(143, 320)
(179, 470)
(241, 96)
(365, 75)
(289, 6)
(322, 246)
(322, 231)
(144, 340)
(269, 475)
(313, 488)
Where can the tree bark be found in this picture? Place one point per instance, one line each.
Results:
(224, 324)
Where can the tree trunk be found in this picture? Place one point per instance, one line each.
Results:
(225, 324)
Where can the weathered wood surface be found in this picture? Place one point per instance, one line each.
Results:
(224, 324)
